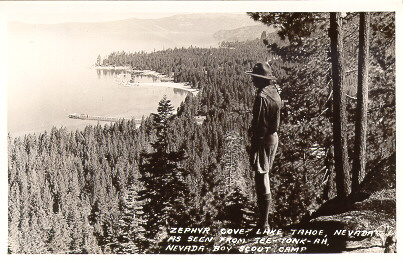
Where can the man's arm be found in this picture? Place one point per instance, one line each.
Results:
(261, 126)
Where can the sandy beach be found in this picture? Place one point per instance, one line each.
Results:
(165, 80)
(176, 85)
(110, 67)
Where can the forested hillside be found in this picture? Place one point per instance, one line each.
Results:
(118, 188)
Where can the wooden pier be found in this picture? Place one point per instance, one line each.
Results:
(100, 118)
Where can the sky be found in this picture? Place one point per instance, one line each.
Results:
(51, 12)
(86, 11)
(54, 18)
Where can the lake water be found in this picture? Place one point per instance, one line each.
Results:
(50, 76)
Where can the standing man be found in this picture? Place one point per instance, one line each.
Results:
(265, 123)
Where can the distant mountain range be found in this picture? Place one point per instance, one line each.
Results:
(182, 29)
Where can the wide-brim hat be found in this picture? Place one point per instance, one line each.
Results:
(262, 70)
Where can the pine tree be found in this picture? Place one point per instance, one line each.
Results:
(359, 164)
(165, 192)
(236, 209)
(128, 232)
(343, 181)
(99, 59)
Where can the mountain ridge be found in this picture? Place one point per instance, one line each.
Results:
(181, 22)
(181, 30)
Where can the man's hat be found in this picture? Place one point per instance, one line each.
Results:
(262, 70)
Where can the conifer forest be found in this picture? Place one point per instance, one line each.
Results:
(119, 188)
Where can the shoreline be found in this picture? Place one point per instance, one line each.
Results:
(166, 81)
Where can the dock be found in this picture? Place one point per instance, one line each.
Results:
(99, 118)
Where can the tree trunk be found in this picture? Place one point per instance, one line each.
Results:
(339, 107)
(362, 104)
